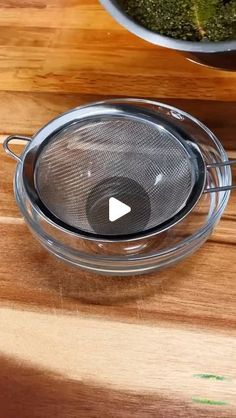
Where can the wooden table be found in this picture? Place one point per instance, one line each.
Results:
(78, 345)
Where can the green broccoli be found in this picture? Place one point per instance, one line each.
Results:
(193, 20)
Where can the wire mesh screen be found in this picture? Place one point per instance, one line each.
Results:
(85, 154)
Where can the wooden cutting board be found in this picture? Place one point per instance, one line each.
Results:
(79, 345)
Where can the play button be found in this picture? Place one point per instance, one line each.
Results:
(117, 209)
(118, 206)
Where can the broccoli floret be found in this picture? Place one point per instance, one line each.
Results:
(192, 20)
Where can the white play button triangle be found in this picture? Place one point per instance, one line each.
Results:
(117, 209)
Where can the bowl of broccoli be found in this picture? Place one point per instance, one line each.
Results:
(205, 30)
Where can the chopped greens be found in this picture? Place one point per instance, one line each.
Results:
(193, 20)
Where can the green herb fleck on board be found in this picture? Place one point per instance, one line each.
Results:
(208, 402)
(210, 377)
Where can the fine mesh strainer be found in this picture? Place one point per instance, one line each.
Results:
(114, 150)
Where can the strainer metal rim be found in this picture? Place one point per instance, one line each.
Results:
(61, 122)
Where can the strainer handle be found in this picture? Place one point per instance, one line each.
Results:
(223, 188)
(14, 138)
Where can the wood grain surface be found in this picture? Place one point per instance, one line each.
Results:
(75, 345)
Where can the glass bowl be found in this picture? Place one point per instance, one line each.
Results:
(146, 254)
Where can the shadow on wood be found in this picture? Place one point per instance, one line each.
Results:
(26, 392)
